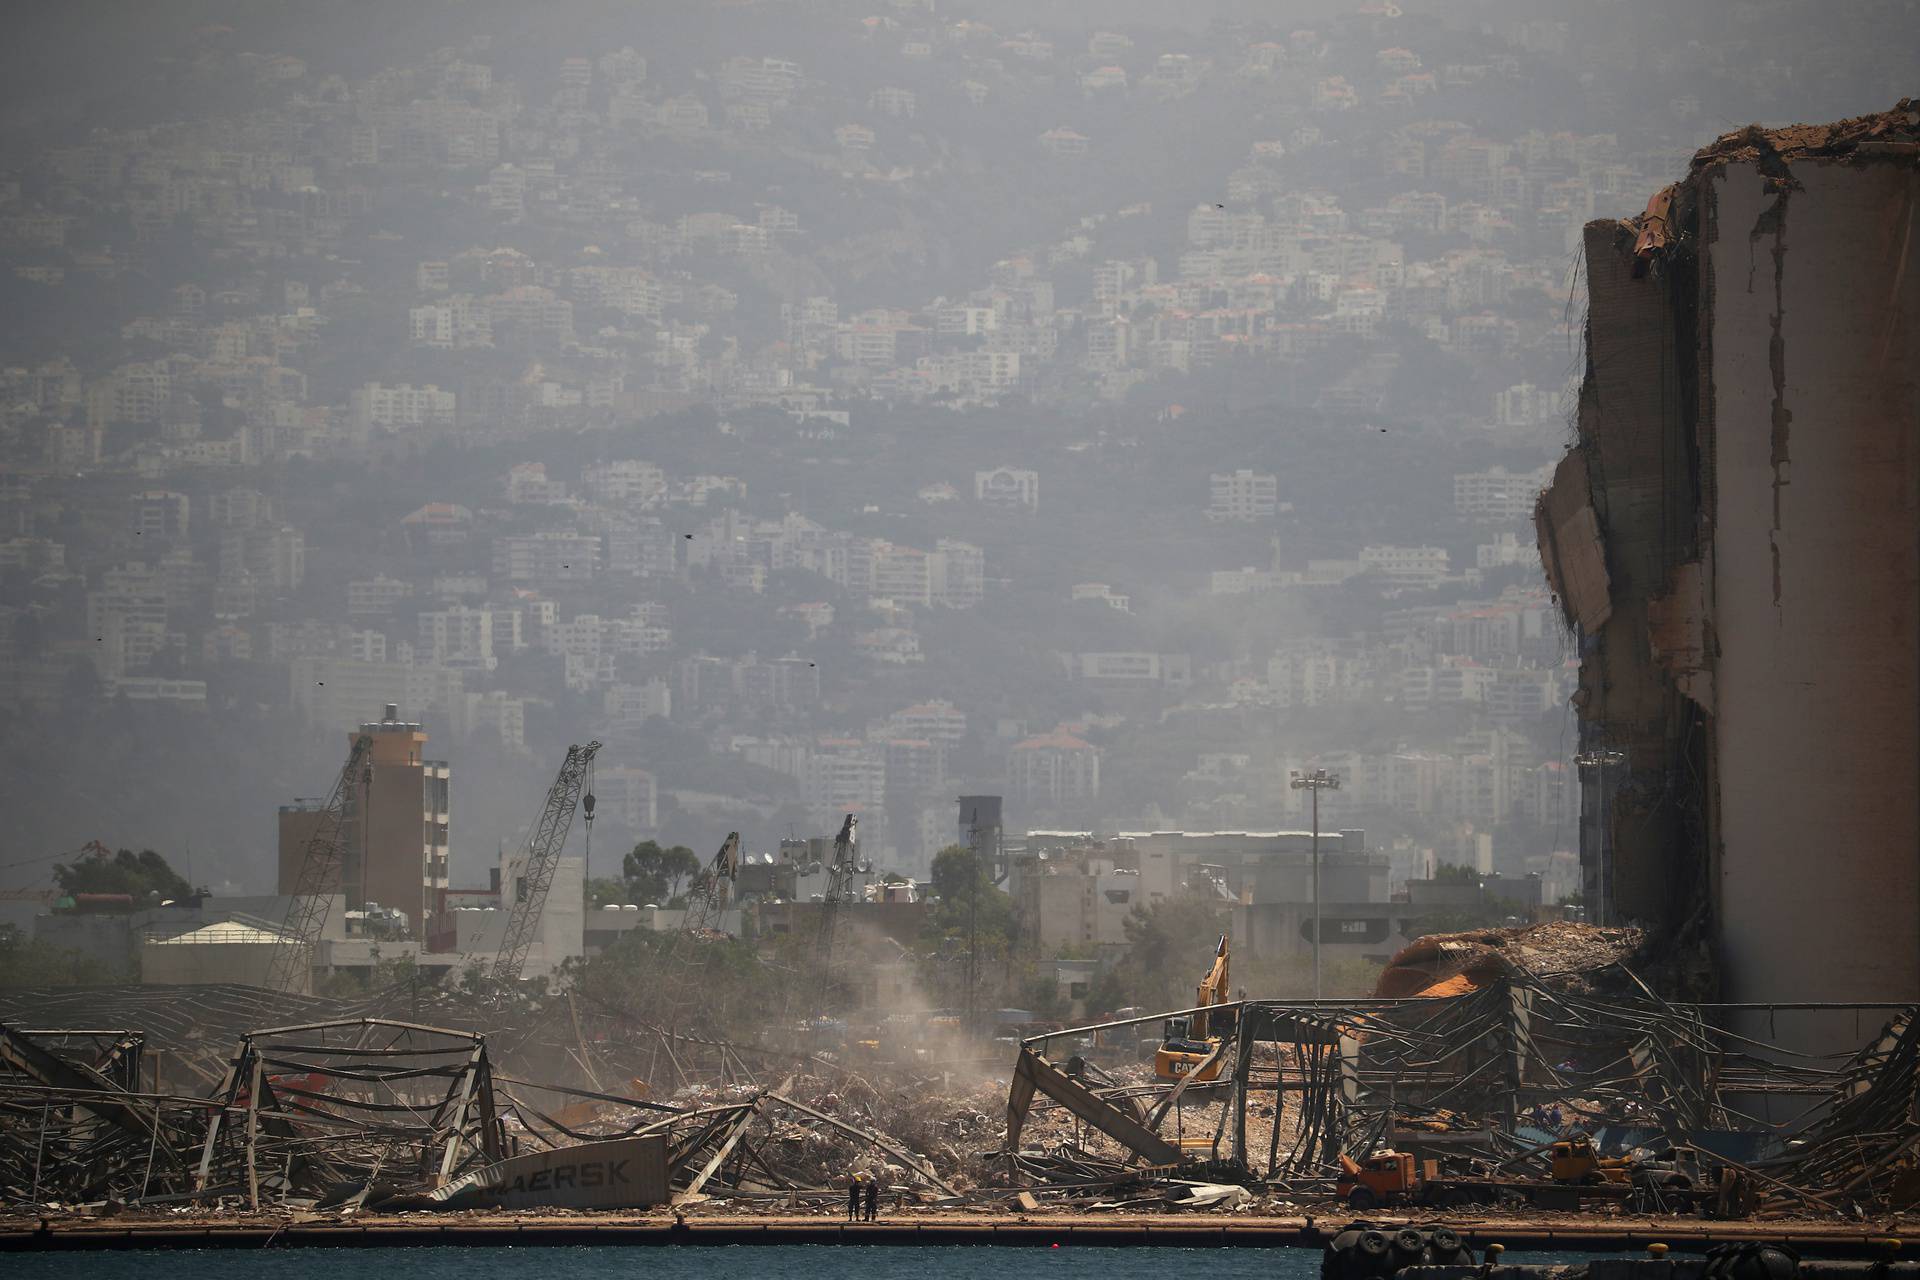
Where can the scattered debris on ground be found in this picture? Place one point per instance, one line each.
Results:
(212, 1100)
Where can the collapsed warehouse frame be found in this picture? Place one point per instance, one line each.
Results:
(338, 1103)
(1494, 1075)
(355, 1108)
(365, 1112)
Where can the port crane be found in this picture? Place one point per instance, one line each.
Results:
(707, 897)
(290, 968)
(679, 993)
(840, 873)
(529, 895)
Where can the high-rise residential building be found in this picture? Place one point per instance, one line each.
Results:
(394, 833)
(1053, 771)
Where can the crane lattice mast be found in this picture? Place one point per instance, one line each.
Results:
(839, 891)
(708, 896)
(543, 856)
(290, 969)
(680, 996)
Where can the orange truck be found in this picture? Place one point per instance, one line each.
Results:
(1396, 1177)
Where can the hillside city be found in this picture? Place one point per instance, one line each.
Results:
(831, 408)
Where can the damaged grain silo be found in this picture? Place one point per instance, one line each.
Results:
(1735, 534)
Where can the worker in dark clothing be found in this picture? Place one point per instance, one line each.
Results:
(853, 1198)
(873, 1199)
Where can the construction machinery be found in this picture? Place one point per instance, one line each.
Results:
(534, 875)
(678, 987)
(1190, 1042)
(1575, 1160)
(840, 873)
(291, 967)
(1665, 1178)
(1669, 1183)
(707, 897)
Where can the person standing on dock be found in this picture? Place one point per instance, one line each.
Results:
(873, 1198)
(853, 1197)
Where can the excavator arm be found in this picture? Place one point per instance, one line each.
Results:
(1212, 989)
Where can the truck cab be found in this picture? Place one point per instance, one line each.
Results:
(1575, 1160)
(1381, 1178)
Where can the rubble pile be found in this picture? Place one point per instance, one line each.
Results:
(1901, 125)
(1867, 1146)
(1549, 1034)
(1446, 964)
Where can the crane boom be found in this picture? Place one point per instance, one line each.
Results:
(678, 995)
(290, 969)
(709, 893)
(543, 856)
(839, 890)
(1212, 990)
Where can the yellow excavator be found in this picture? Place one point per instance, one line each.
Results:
(1189, 1041)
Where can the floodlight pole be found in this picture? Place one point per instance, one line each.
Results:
(1316, 782)
(1598, 761)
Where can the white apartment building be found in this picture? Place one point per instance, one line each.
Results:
(843, 773)
(953, 574)
(1107, 344)
(493, 714)
(1315, 676)
(404, 405)
(964, 321)
(456, 324)
(1053, 769)
(629, 796)
(963, 569)
(1406, 566)
(128, 628)
(1499, 494)
(1506, 550)
(936, 721)
(1243, 496)
(457, 632)
(623, 481)
(549, 556)
(1454, 683)
(371, 597)
(627, 707)
(1134, 668)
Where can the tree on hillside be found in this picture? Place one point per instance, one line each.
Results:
(655, 873)
(142, 875)
(1171, 945)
